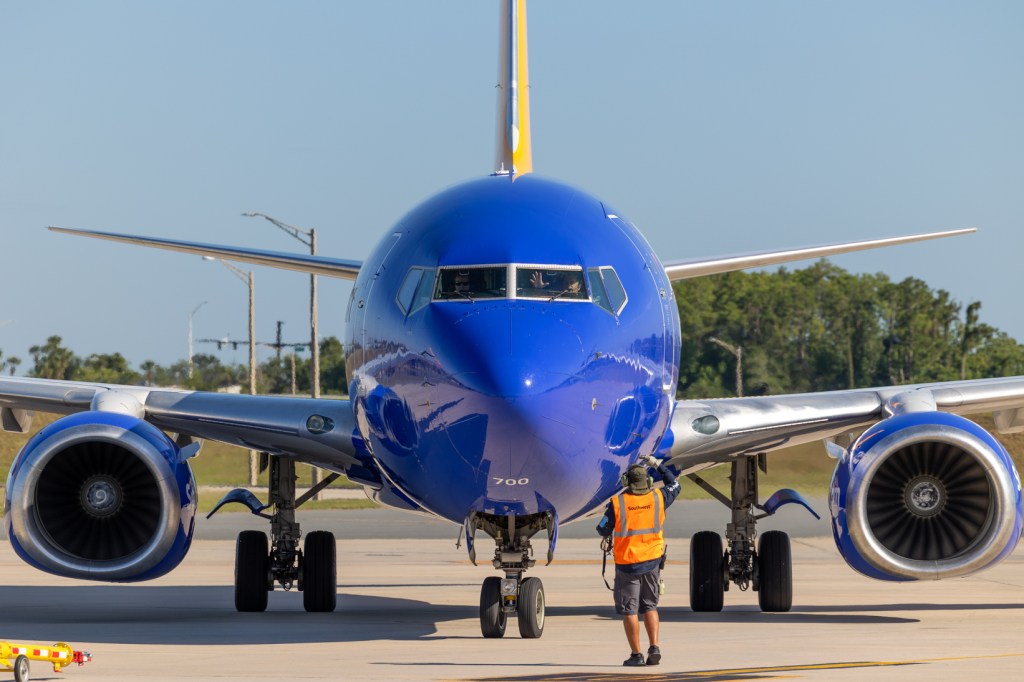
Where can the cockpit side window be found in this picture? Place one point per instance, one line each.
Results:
(547, 282)
(472, 283)
(597, 290)
(606, 289)
(415, 290)
(423, 291)
(616, 294)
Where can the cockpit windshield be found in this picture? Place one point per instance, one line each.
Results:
(545, 281)
(538, 282)
(472, 282)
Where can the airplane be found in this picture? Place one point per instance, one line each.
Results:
(512, 346)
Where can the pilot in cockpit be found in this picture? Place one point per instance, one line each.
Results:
(567, 283)
(460, 285)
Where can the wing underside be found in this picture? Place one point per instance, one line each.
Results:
(267, 423)
(707, 432)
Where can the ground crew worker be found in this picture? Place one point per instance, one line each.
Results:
(635, 520)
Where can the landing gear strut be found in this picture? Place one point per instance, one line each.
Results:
(259, 564)
(501, 598)
(767, 569)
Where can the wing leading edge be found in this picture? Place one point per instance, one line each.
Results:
(271, 424)
(699, 267)
(316, 265)
(707, 432)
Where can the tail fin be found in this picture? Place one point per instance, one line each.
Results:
(514, 156)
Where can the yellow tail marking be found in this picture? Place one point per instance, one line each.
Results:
(514, 156)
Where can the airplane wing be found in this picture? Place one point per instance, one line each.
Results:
(706, 432)
(698, 267)
(316, 265)
(277, 425)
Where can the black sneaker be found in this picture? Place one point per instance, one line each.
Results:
(635, 659)
(653, 656)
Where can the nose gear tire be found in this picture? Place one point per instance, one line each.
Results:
(492, 615)
(531, 608)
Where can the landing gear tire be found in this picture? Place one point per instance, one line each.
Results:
(21, 673)
(707, 591)
(252, 566)
(492, 615)
(319, 572)
(531, 608)
(775, 572)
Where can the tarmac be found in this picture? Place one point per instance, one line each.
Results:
(407, 610)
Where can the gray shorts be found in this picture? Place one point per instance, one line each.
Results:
(636, 594)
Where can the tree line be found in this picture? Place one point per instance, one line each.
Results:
(815, 329)
(53, 360)
(823, 328)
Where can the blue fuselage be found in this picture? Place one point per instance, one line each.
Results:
(511, 403)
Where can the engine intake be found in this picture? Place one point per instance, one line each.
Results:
(930, 501)
(101, 496)
(925, 496)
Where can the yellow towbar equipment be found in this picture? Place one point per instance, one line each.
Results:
(15, 657)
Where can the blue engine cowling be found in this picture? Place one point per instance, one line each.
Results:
(101, 496)
(925, 495)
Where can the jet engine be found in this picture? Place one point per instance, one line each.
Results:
(925, 495)
(101, 496)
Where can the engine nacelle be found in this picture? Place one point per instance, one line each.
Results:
(925, 495)
(101, 496)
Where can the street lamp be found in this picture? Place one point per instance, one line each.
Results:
(194, 310)
(738, 352)
(247, 277)
(314, 345)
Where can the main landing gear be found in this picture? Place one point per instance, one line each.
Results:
(513, 595)
(767, 569)
(260, 564)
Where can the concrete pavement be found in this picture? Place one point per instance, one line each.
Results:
(407, 610)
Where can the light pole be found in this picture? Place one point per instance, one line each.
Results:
(307, 237)
(247, 277)
(194, 311)
(738, 352)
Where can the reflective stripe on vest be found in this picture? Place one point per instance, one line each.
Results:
(636, 545)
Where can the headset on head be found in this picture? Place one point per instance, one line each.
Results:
(625, 477)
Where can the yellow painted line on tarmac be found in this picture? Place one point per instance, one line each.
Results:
(854, 664)
(734, 674)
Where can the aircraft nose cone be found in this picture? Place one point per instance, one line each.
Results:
(512, 350)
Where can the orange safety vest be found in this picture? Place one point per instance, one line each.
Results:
(639, 520)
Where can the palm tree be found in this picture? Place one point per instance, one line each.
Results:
(149, 371)
(52, 360)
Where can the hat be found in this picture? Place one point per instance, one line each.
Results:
(638, 480)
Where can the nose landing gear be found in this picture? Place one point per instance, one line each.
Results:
(513, 595)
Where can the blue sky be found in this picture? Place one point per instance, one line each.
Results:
(715, 127)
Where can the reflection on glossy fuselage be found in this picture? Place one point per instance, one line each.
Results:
(511, 405)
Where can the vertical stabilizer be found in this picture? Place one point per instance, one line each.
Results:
(513, 138)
